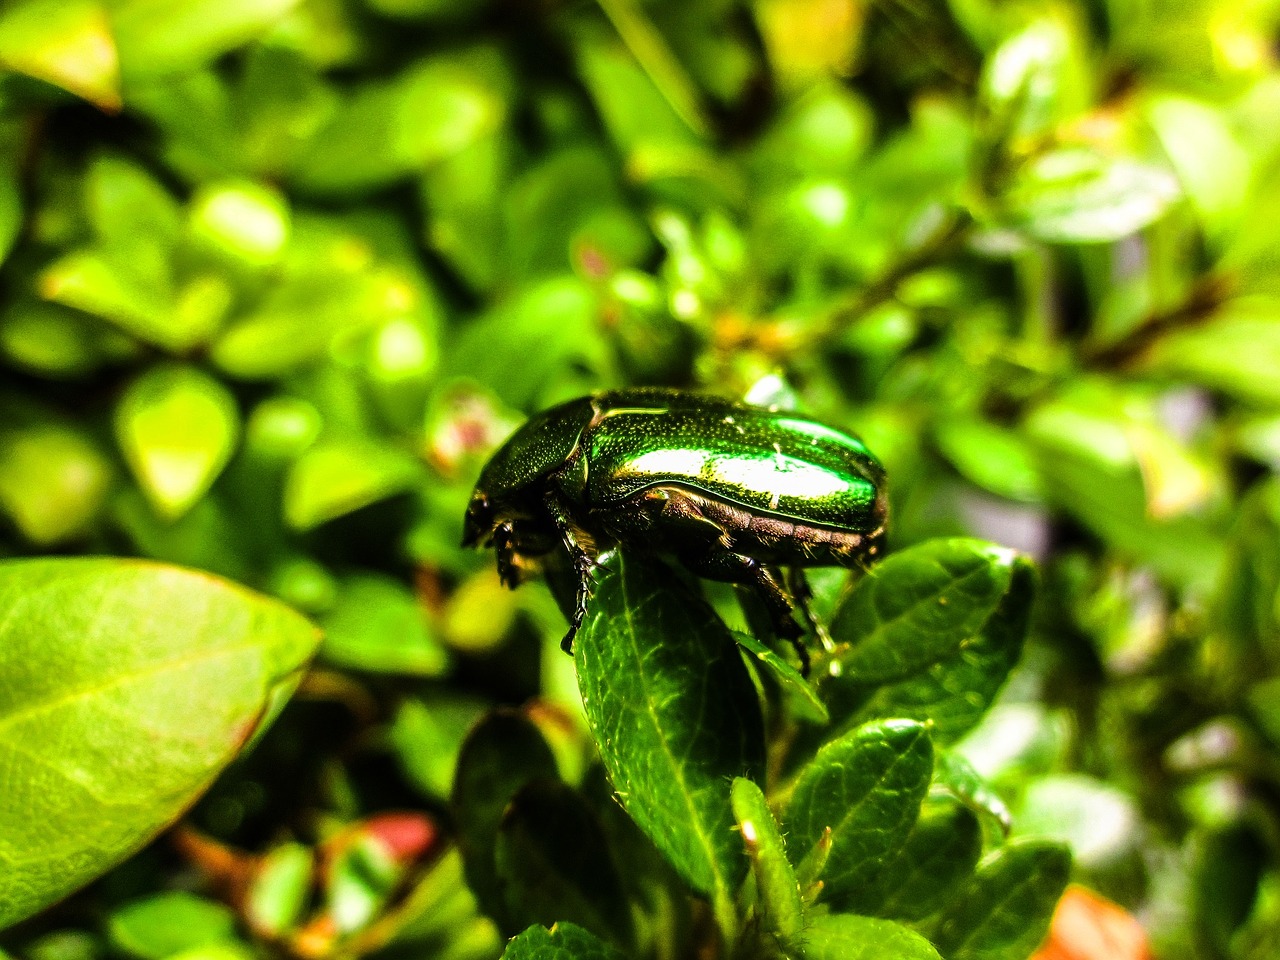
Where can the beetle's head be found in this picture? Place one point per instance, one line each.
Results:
(479, 522)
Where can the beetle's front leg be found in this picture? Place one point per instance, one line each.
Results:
(580, 560)
(504, 546)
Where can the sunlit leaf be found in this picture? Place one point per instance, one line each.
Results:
(126, 687)
(53, 481)
(1073, 195)
(177, 428)
(69, 43)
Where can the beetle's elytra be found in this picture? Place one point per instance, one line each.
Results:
(732, 491)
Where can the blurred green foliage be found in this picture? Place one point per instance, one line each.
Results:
(279, 274)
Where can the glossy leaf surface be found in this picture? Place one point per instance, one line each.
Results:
(675, 716)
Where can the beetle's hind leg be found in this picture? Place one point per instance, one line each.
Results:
(739, 568)
(802, 594)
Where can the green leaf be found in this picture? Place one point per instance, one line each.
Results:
(1247, 599)
(568, 206)
(53, 482)
(206, 537)
(387, 130)
(278, 894)
(992, 457)
(338, 477)
(1237, 351)
(1098, 455)
(650, 102)
(842, 936)
(107, 284)
(169, 923)
(243, 221)
(464, 223)
(177, 428)
(1036, 78)
(554, 863)
(379, 625)
(953, 692)
(1228, 874)
(675, 716)
(65, 42)
(131, 211)
(503, 753)
(917, 607)
(427, 736)
(1073, 195)
(564, 941)
(54, 341)
(12, 213)
(437, 916)
(359, 883)
(823, 133)
(866, 789)
(941, 852)
(339, 278)
(1215, 170)
(124, 688)
(778, 902)
(808, 705)
(1004, 911)
(521, 346)
(168, 37)
(957, 775)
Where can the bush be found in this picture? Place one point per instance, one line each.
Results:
(278, 277)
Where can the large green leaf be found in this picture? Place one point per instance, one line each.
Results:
(1237, 351)
(918, 607)
(158, 38)
(955, 690)
(1003, 912)
(865, 789)
(64, 42)
(124, 688)
(503, 752)
(675, 715)
(1075, 195)
(554, 863)
(940, 853)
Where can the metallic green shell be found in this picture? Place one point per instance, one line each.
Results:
(539, 447)
(771, 462)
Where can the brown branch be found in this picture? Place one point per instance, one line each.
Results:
(1199, 307)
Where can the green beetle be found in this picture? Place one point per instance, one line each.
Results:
(732, 491)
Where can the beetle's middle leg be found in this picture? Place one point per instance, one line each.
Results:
(580, 559)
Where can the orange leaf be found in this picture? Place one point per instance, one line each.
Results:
(1087, 927)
